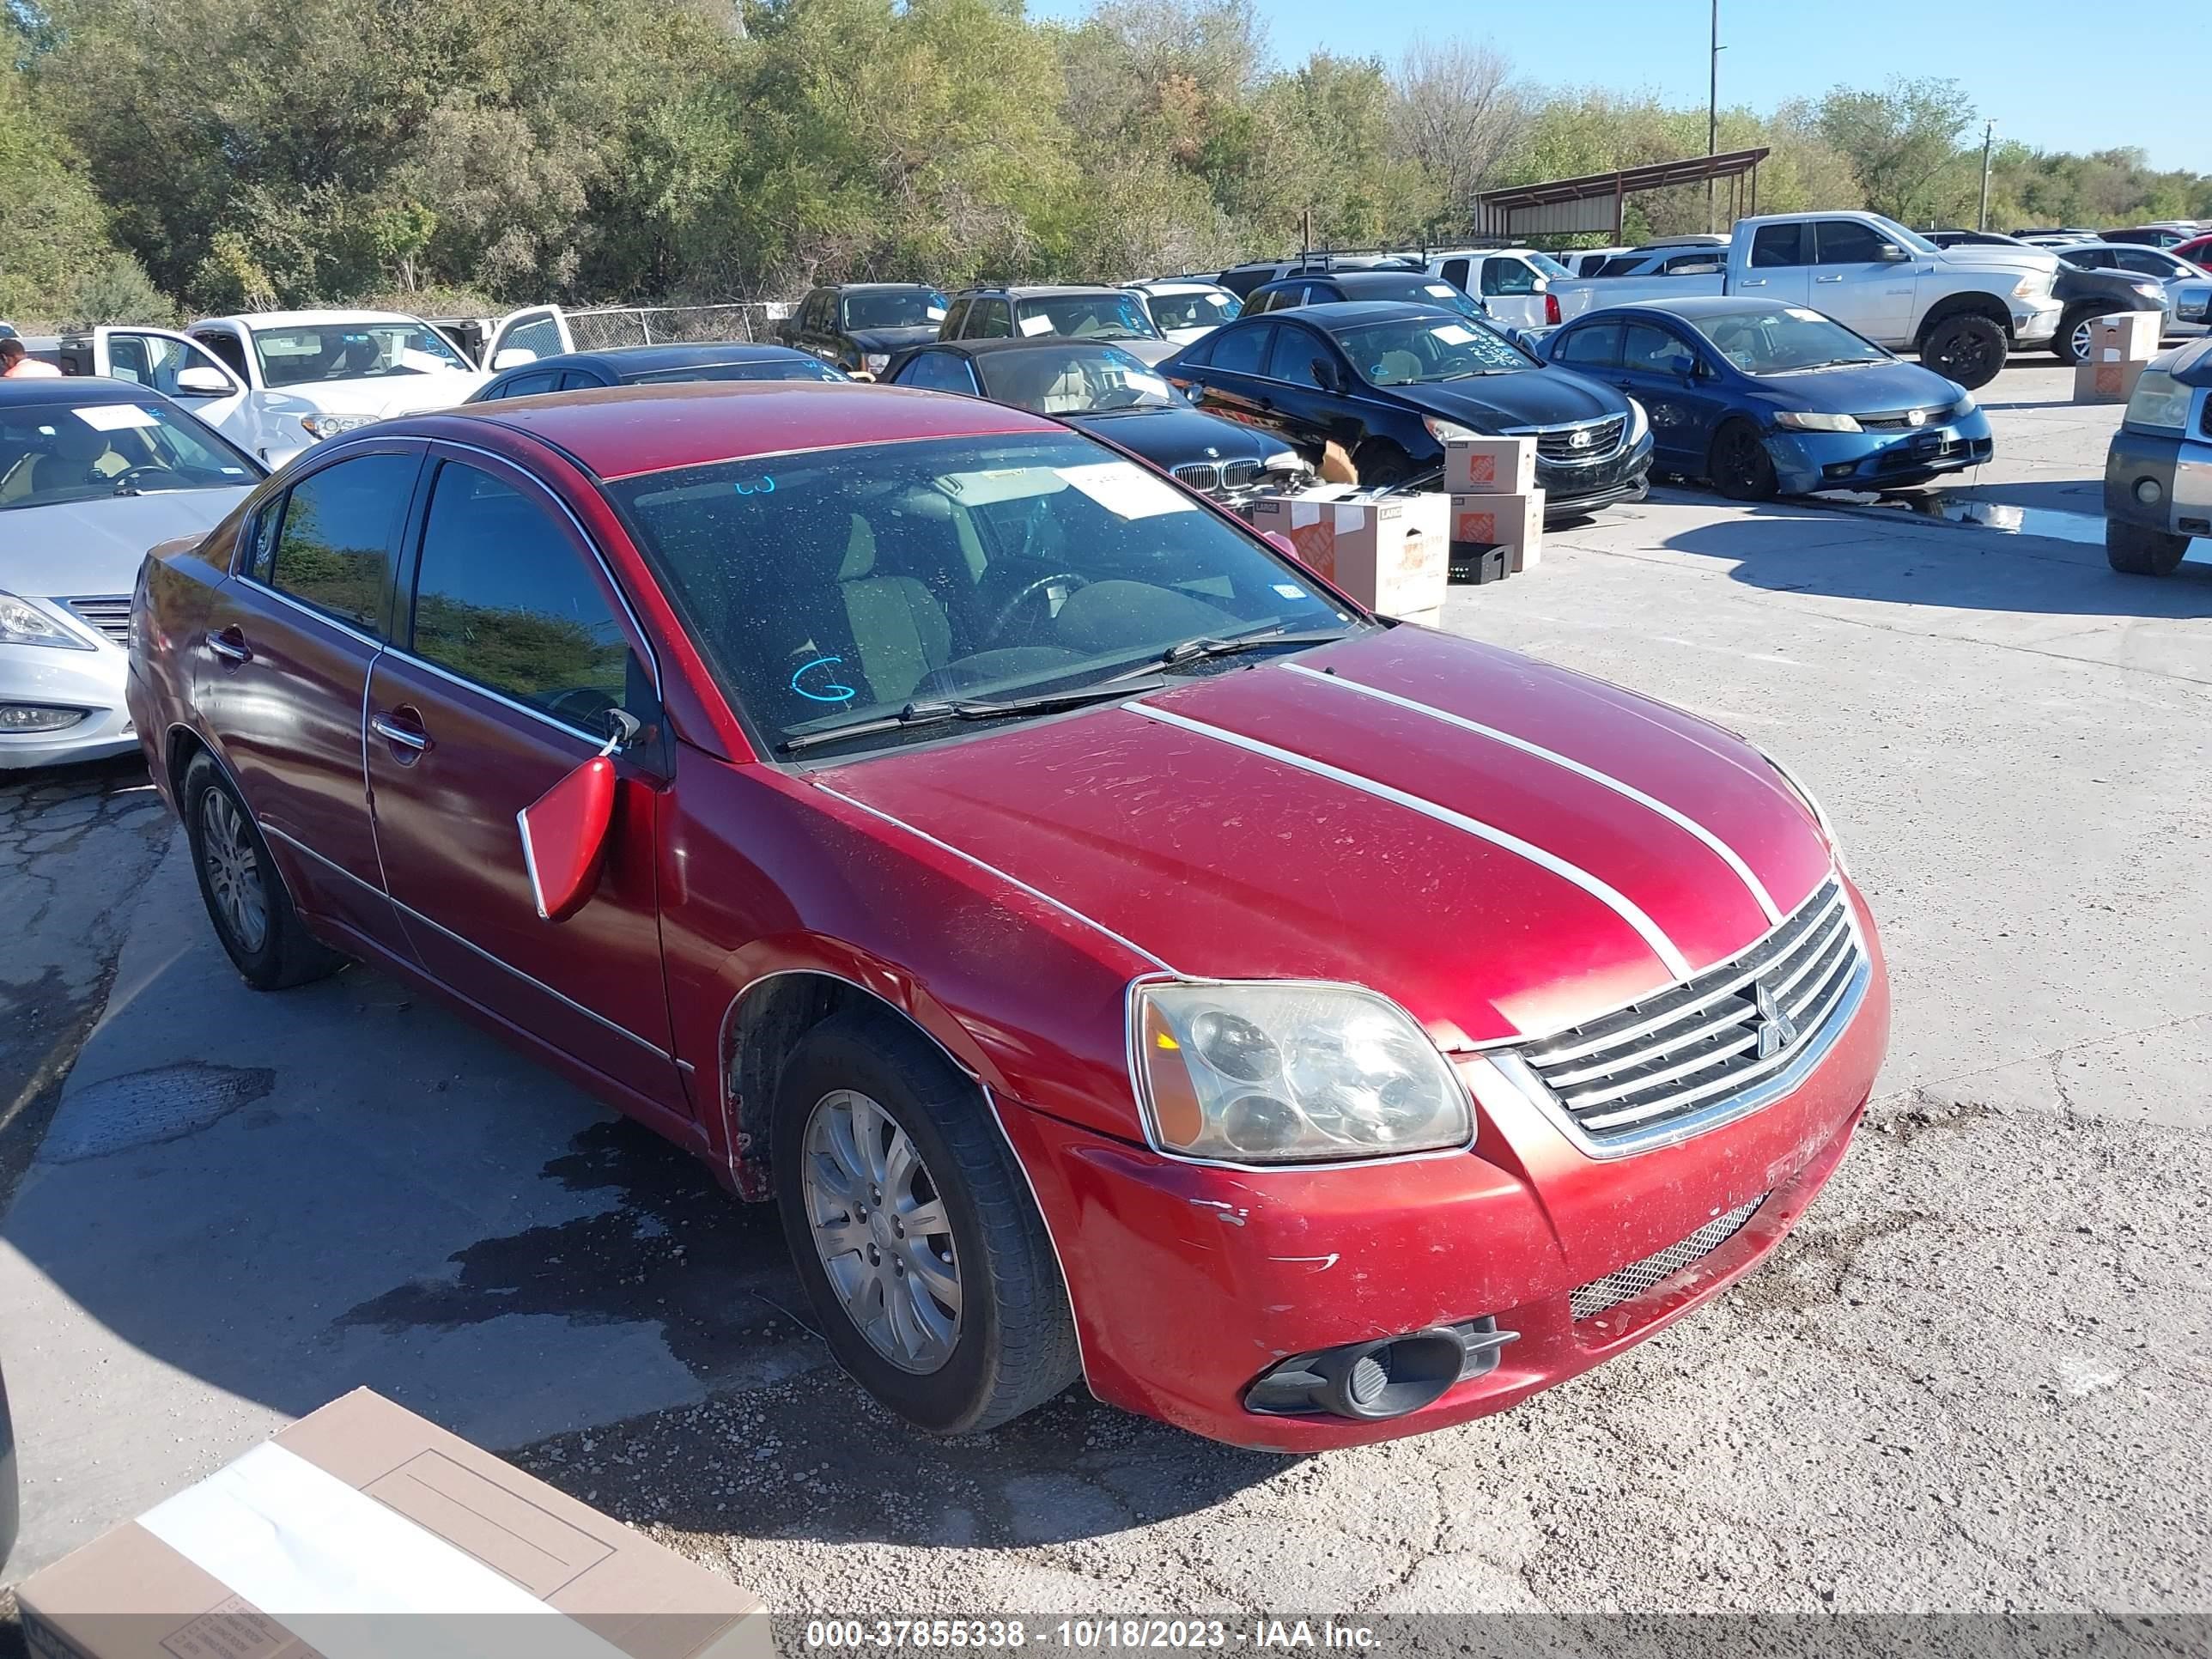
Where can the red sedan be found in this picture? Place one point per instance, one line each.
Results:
(1117, 953)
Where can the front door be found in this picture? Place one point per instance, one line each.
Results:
(500, 684)
(1660, 369)
(283, 662)
(1860, 286)
(524, 336)
(154, 357)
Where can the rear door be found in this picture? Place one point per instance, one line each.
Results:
(1780, 265)
(1853, 283)
(515, 646)
(523, 337)
(284, 665)
(1233, 382)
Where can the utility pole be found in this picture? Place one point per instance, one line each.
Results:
(1713, 112)
(1989, 131)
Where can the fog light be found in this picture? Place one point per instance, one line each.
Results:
(2148, 492)
(36, 717)
(1380, 1378)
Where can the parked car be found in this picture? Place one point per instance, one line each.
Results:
(1686, 256)
(1240, 280)
(1103, 391)
(93, 472)
(1590, 261)
(2167, 236)
(1391, 381)
(2158, 468)
(1953, 237)
(1001, 859)
(1184, 308)
(1414, 287)
(653, 366)
(1514, 283)
(276, 382)
(859, 327)
(2184, 287)
(1110, 314)
(2046, 235)
(2087, 294)
(1959, 309)
(1762, 399)
(2197, 250)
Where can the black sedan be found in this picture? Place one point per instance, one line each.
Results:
(1391, 381)
(861, 327)
(1104, 390)
(647, 365)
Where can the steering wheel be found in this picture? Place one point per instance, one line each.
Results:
(124, 478)
(582, 705)
(1028, 590)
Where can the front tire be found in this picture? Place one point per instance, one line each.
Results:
(913, 1230)
(1739, 466)
(245, 899)
(1381, 465)
(2135, 550)
(1969, 348)
(2070, 345)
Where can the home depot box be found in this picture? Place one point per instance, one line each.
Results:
(2096, 382)
(2125, 337)
(1514, 522)
(1490, 466)
(1391, 553)
(362, 1530)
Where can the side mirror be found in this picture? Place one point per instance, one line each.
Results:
(511, 357)
(1893, 254)
(201, 381)
(564, 830)
(1325, 375)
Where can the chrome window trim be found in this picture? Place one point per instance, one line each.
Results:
(595, 739)
(351, 630)
(412, 913)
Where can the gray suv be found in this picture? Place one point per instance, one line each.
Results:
(1110, 316)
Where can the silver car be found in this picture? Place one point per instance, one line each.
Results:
(2188, 287)
(93, 473)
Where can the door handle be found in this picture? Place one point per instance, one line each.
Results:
(1836, 278)
(395, 730)
(1754, 281)
(230, 645)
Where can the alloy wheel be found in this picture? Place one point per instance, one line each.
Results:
(881, 1230)
(2080, 341)
(233, 871)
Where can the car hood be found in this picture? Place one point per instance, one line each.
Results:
(1498, 402)
(1241, 826)
(1148, 352)
(1995, 257)
(891, 339)
(403, 394)
(2119, 287)
(77, 548)
(1858, 391)
(1172, 436)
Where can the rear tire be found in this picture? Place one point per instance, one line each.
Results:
(245, 897)
(864, 1088)
(1968, 348)
(2135, 550)
(1739, 466)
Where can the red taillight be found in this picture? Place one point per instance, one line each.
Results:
(1551, 309)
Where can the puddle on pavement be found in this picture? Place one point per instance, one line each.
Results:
(142, 1107)
(1964, 507)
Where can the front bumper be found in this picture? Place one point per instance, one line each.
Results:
(88, 682)
(1806, 461)
(2181, 468)
(2035, 322)
(1572, 491)
(1188, 1282)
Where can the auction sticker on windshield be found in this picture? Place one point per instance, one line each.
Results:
(1126, 490)
(115, 417)
(1036, 324)
(1453, 333)
(1002, 483)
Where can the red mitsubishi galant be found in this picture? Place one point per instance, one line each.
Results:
(1117, 953)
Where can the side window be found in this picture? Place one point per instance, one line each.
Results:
(574, 379)
(954, 319)
(1508, 277)
(526, 386)
(1455, 272)
(2143, 260)
(1291, 357)
(504, 598)
(1646, 349)
(226, 346)
(1243, 350)
(1778, 245)
(940, 371)
(340, 527)
(1260, 304)
(259, 540)
(153, 359)
(1597, 346)
(994, 320)
(1848, 242)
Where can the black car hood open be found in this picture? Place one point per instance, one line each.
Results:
(1171, 437)
(891, 339)
(1491, 403)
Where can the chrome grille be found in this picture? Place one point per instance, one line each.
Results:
(1626, 1284)
(1702, 1048)
(1901, 420)
(1201, 476)
(110, 613)
(1240, 475)
(1580, 442)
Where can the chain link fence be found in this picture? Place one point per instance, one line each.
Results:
(606, 327)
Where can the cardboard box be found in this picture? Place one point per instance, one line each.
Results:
(362, 1530)
(2125, 337)
(1514, 522)
(1479, 565)
(1490, 466)
(1390, 552)
(2096, 382)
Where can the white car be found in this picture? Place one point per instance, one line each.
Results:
(1186, 308)
(1514, 282)
(276, 382)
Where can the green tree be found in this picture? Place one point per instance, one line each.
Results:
(57, 227)
(1903, 142)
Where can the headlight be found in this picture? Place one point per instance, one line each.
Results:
(1445, 431)
(1638, 423)
(329, 426)
(2029, 287)
(1260, 1073)
(26, 624)
(2160, 403)
(2149, 291)
(1959, 411)
(876, 362)
(1810, 420)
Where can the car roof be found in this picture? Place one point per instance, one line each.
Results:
(260, 319)
(23, 393)
(1171, 284)
(1333, 314)
(1044, 291)
(618, 432)
(619, 360)
(1017, 342)
(1689, 307)
(862, 287)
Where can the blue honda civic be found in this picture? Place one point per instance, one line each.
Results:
(1761, 399)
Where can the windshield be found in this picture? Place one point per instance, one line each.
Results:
(51, 453)
(1904, 238)
(1759, 341)
(367, 350)
(1087, 316)
(1207, 308)
(1422, 291)
(1417, 350)
(1548, 264)
(1074, 380)
(835, 586)
(896, 307)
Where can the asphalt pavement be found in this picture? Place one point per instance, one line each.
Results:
(1977, 1377)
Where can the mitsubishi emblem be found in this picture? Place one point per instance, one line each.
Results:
(1777, 1030)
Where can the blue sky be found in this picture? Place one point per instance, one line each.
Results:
(2038, 66)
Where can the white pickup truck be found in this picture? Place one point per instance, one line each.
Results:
(1960, 309)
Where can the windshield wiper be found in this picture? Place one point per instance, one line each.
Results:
(940, 709)
(1206, 646)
